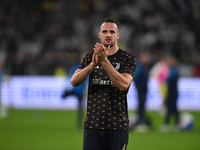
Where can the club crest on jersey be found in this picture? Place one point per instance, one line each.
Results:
(117, 66)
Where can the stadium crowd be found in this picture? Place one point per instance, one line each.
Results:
(39, 36)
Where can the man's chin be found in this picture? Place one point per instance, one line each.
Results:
(106, 45)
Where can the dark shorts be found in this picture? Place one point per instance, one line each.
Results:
(95, 139)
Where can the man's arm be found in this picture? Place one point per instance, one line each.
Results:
(81, 75)
(121, 80)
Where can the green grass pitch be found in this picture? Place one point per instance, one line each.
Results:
(56, 130)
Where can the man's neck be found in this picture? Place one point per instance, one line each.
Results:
(113, 50)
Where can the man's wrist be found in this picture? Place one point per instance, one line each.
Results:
(104, 62)
(93, 65)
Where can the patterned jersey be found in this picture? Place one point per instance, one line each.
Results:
(106, 104)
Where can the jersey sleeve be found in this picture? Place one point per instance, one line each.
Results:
(86, 60)
(130, 65)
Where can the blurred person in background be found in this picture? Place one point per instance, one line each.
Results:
(141, 83)
(76, 91)
(3, 107)
(111, 71)
(160, 71)
(172, 94)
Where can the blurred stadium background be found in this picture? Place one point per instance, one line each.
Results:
(40, 41)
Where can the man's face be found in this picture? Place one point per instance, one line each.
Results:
(108, 34)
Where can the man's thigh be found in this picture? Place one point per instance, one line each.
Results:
(119, 140)
(92, 140)
(105, 139)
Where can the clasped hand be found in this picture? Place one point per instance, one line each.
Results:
(100, 53)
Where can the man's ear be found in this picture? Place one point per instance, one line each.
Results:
(99, 35)
(118, 35)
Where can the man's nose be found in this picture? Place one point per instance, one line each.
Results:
(108, 34)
